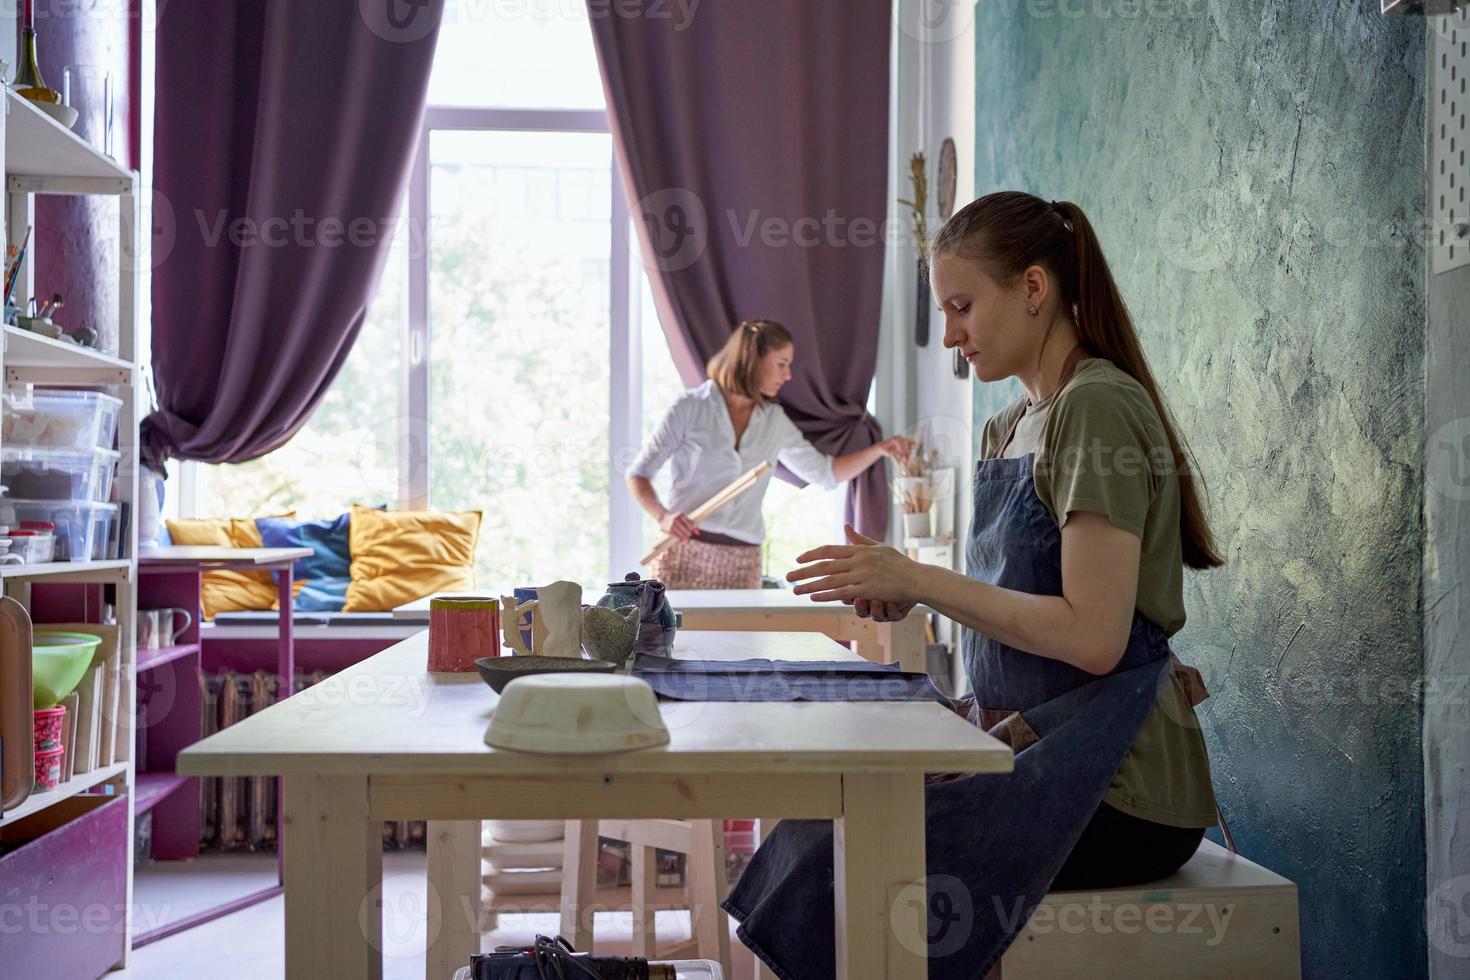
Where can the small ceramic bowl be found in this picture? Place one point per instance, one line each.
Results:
(577, 714)
(500, 671)
(64, 114)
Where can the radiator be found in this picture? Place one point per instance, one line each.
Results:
(239, 812)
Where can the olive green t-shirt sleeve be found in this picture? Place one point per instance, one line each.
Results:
(1100, 454)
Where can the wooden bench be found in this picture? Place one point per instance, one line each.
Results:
(1219, 916)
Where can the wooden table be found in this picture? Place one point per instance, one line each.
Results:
(783, 611)
(386, 740)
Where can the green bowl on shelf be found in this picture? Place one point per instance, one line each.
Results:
(58, 661)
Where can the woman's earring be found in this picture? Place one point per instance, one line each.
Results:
(1033, 311)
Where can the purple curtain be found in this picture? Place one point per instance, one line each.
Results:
(753, 137)
(284, 135)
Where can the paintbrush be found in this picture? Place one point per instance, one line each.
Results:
(14, 270)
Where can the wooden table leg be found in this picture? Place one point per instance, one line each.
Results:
(903, 643)
(579, 883)
(878, 850)
(705, 865)
(454, 875)
(861, 633)
(333, 877)
(645, 877)
(899, 643)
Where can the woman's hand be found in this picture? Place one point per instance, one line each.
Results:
(679, 525)
(879, 611)
(897, 447)
(865, 569)
(849, 466)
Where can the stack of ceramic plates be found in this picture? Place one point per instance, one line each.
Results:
(521, 857)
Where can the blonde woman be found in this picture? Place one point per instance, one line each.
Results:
(714, 433)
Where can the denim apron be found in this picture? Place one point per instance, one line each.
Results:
(994, 842)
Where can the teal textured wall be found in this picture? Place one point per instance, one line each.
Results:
(1255, 170)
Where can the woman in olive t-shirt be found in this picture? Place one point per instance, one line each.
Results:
(1026, 293)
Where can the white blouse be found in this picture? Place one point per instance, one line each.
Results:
(698, 435)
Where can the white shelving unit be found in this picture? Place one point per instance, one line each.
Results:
(43, 157)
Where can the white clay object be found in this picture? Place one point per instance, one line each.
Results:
(576, 714)
(556, 621)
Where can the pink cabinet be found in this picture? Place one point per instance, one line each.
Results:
(63, 890)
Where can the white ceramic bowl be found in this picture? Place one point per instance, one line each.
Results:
(64, 114)
(576, 714)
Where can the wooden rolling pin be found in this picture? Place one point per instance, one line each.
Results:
(744, 483)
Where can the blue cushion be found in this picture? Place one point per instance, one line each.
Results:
(329, 569)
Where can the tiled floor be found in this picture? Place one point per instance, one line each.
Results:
(247, 945)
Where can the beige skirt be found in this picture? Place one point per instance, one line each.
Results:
(701, 565)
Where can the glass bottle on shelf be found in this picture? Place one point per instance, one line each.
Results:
(28, 83)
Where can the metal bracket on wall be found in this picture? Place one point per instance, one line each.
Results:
(68, 376)
(1449, 141)
(1423, 8)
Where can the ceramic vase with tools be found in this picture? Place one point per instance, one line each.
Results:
(916, 490)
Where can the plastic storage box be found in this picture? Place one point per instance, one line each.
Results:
(46, 473)
(59, 419)
(81, 526)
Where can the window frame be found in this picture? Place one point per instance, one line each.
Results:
(625, 408)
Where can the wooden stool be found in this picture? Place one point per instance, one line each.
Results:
(1219, 916)
(702, 842)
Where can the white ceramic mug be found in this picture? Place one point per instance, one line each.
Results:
(157, 627)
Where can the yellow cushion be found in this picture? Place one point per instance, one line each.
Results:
(400, 556)
(227, 591)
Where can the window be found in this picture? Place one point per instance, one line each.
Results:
(512, 361)
(526, 55)
(518, 347)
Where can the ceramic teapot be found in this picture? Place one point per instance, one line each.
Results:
(656, 617)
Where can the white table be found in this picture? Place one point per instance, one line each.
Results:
(783, 611)
(386, 740)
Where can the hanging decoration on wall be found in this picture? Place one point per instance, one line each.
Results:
(948, 170)
(919, 206)
(946, 178)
